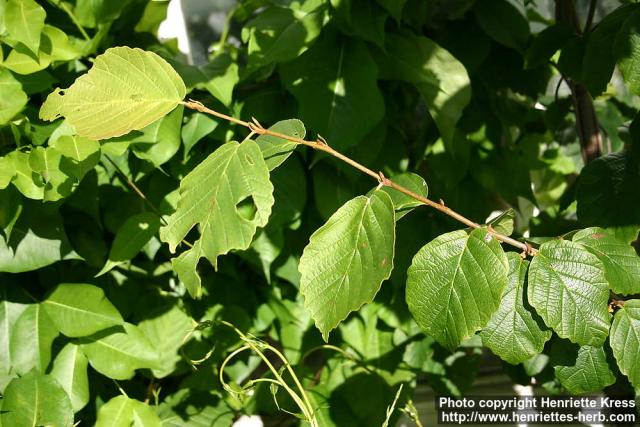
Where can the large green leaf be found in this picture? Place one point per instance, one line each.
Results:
(361, 18)
(589, 374)
(31, 339)
(117, 352)
(441, 79)
(281, 34)
(12, 97)
(567, 287)
(347, 259)
(620, 260)
(131, 238)
(36, 400)
(167, 329)
(24, 21)
(625, 340)
(10, 311)
(79, 309)
(276, 150)
(126, 89)
(122, 411)
(455, 283)
(70, 370)
(335, 83)
(229, 195)
(512, 332)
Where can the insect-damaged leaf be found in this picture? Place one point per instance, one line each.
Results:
(228, 195)
(126, 89)
(347, 259)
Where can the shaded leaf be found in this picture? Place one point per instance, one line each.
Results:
(79, 309)
(198, 126)
(504, 222)
(126, 89)
(122, 411)
(335, 83)
(31, 339)
(347, 259)
(567, 287)
(118, 352)
(402, 203)
(70, 370)
(455, 284)
(590, 373)
(627, 48)
(512, 332)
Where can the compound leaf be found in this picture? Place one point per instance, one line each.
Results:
(70, 370)
(229, 195)
(512, 332)
(31, 339)
(621, 263)
(347, 259)
(567, 287)
(455, 283)
(79, 309)
(126, 89)
(625, 340)
(36, 400)
(590, 373)
(122, 411)
(118, 352)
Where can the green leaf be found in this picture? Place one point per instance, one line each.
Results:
(361, 18)
(290, 194)
(160, 140)
(455, 284)
(91, 13)
(12, 97)
(167, 329)
(117, 352)
(122, 411)
(48, 164)
(7, 171)
(347, 259)
(335, 83)
(394, 7)
(276, 150)
(512, 332)
(79, 309)
(590, 373)
(126, 89)
(9, 313)
(281, 34)
(599, 57)
(606, 191)
(621, 263)
(402, 203)
(36, 400)
(37, 239)
(241, 179)
(503, 223)
(627, 50)
(567, 287)
(21, 60)
(625, 340)
(62, 49)
(23, 177)
(24, 21)
(440, 78)
(70, 370)
(131, 238)
(504, 22)
(31, 339)
(198, 126)
(218, 77)
(75, 147)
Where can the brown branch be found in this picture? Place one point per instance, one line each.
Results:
(590, 15)
(586, 119)
(321, 145)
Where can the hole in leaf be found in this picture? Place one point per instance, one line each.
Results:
(247, 208)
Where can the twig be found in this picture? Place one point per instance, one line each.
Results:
(590, 15)
(321, 145)
(140, 194)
